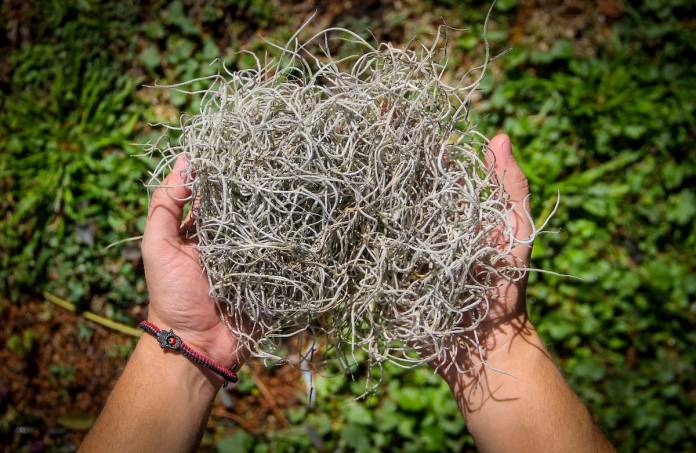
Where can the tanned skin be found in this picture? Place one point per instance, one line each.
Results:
(514, 398)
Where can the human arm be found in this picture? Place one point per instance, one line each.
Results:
(160, 403)
(518, 400)
(162, 400)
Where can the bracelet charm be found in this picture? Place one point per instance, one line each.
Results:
(169, 340)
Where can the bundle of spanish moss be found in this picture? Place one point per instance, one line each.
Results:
(346, 199)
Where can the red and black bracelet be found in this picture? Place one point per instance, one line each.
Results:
(169, 340)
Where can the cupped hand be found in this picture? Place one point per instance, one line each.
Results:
(507, 311)
(508, 299)
(177, 285)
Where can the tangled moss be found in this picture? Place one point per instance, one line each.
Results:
(346, 199)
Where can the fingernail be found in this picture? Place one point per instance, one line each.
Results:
(507, 146)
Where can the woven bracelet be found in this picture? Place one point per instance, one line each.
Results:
(167, 339)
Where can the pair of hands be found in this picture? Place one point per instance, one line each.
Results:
(179, 290)
(528, 407)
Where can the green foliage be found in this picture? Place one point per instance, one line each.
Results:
(66, 171)
(410, 411)
(614, 135)
(611, 130)
(239, 442)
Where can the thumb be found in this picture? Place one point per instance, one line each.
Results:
(511, 177)
(167, 204)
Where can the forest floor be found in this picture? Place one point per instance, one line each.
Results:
(59, 368)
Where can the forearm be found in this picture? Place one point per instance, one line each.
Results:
(519, 401)
(160, 403)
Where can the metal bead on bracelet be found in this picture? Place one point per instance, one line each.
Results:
(167, 339)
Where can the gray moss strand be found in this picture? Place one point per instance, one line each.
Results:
(347, 199)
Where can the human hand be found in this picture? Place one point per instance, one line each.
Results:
(507, 315)
(177, 285)
(508, 299)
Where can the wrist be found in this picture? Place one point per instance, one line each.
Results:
(216, 343)
(174, 369)
(502, 346)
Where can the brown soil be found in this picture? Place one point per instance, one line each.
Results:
(58, 369)
(540, 23)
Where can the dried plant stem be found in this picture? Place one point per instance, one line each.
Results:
(346, 198)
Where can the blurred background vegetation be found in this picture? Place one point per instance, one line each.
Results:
(598, 98)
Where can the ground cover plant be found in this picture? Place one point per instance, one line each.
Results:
(598, 100)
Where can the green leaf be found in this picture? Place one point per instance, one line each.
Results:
(355, 437)
(150, 57)
(357, 413)
(77, 421)
(240, 442)
(386, 416)
(411, 399)
(682, 207)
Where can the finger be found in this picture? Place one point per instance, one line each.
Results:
(499, 158)
(167, 204)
